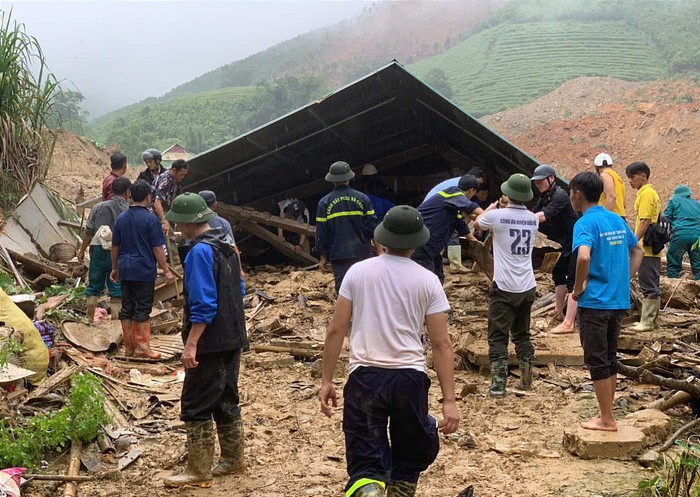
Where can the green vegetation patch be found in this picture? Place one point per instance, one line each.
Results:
(511, 64)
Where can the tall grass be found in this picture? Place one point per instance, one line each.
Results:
(27, 90)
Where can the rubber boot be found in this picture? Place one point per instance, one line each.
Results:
(525, 382)
(454, 255)
(142, 340)
(91, 306)
(369, 490)
(128, 338)
(401, 489)
(115, 304)
(650, 310)
(499, 378)
(232, 442)
(200, 455)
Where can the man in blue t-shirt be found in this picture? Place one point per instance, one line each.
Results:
(607, 257)
(137, 244)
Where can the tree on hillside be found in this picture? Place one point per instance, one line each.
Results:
(67, 113)
(275, 99)
(437, 79)
(27, 92)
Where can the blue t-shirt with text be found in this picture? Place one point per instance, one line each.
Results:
(610, 241)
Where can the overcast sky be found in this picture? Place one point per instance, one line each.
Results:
(120, 52)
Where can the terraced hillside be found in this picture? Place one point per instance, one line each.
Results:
(510, 64)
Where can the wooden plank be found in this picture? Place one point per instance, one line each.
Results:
(282, 246)
(54, 381)
(236, 213)
(37, 267)
(70, 224)
(563, 350)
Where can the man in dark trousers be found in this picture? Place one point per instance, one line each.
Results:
(557, 219)
(345, 223)
(443, 214)
(137, 249)
(99, 238)
(389, 299)
(214, 334)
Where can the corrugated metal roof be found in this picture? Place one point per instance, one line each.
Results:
(388, 118)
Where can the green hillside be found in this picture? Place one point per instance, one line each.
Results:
(202, 120)
(505, 66)
(530, 47)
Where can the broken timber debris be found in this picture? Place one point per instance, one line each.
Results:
(282, 246)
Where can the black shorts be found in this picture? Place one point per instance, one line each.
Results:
(564, 272)
(599, 332)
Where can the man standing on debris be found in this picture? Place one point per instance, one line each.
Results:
(119, 167)
(613, 196)
(345, 221)
(294, 210)
(683, 211)
(388, 299)
(214, 334)
(98, 236)
(607, 256)
(137, 245)
(647, 209)
(512, 294)
(444, 213)
(557, 219)
(168, 186)
(152, 158)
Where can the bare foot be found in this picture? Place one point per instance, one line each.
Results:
(563, 329)
(598, 424)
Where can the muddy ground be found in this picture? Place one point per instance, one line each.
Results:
(292, 449)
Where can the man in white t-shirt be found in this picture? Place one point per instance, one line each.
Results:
(389, 299)
(513, 291)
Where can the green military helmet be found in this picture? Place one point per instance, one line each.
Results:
(402, 228)
(189, 208)
(339, 172)
(518, 187)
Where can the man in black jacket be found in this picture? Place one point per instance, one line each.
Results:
(214, 334)
(345, 223)
(557, 219)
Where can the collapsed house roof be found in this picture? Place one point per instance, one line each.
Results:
(412, 135)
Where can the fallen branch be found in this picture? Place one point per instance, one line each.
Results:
(677, 434)
(30, 476)
(645, 376)
(674, 400)
(674, 290)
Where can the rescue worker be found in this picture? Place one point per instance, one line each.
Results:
(119, 166)
(683, 211)
(388, 300)
(613, 197)
(557, 219)
(98, 236)
(443, 214)
(214, 334)
(345, 223)
(168, 186)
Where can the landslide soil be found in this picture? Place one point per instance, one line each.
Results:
(292, 449)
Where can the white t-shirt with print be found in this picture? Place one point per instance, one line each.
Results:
(513, 229)
(391, 296)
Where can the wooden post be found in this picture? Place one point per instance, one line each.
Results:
(76, 448)
(283, 246)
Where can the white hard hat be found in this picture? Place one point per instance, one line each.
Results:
(602, 160)
(369, 170)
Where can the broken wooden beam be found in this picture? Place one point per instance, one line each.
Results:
(295, 351)
(54, 381)
(31, 476)
(282, 246)
(236, 213)
(73, 468)
(38, 267)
